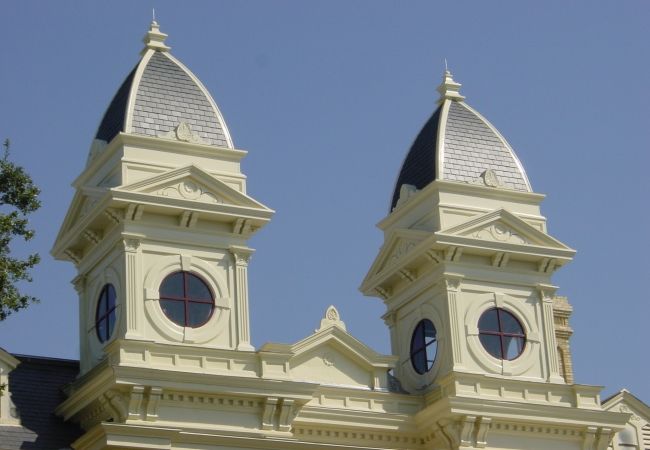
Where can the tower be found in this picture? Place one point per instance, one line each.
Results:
(465, 268)
(158, 230)
(159, 224)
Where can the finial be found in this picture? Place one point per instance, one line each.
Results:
(332, 319)
(154, 39)
(449, 89)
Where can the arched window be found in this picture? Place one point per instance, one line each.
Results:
(105, 313)
(186, 299)
(501, 334)
(424, 346)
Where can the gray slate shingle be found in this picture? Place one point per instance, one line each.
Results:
(36, 391)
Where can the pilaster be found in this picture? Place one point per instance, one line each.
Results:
(546, 294)
(452, 285)
(132, 287)
(241, 256)
(79, 283)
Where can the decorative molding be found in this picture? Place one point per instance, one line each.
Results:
(402, 248)
(113, 215)
(74, 256)
(453, 253)
(92, 236)
(499, 232)
(434, 256)
(79, 283)
(268, 413)
(183, 132)
(135, 402)
(383, 292)
(452, 281)
(407, 274)
(242, 255)
(332, 318)
(189, 190)
(154, 395)
(488, 178)
(131, 245)
(134, 212)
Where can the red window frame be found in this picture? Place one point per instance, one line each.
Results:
(186, 299)
(503, 334)
(104, 316)
(419, 350)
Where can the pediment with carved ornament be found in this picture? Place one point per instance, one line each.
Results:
(189, 189)
(193, 184)
(503, 227)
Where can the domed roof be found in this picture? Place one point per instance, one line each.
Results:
(458, 144)
(160, 97)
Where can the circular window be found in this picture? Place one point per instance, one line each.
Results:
(105, 313)
(501, 334)
(424, 346)
(186, 300)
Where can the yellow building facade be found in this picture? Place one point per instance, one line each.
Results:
(158, 231)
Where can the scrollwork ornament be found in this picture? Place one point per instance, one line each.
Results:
(452, 284)
(131, 245)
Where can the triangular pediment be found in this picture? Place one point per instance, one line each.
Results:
(398, 246)
(333, 356)
(193, 184)
(504, 227)
(81, 206)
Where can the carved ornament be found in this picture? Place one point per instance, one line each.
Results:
(183, 132)
(500, 233)
(189, 190)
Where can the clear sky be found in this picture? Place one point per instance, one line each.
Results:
(327, 98)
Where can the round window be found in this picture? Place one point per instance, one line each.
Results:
(105, 313)
(186, 299)
(501, 334)
(424, 346)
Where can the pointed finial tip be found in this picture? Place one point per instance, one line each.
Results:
(155, 39)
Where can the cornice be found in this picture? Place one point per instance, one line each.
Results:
(439, 186)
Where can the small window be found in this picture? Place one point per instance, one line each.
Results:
(424, 346)
(105, 313)
(186, 299)
(501, 334)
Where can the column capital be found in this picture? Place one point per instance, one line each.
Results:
(79, 283)
(242, 255)
(131, 243)
(546, 291)
(452, 281)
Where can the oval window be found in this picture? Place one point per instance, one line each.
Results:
(186, 299)
(501, 334)
(424, 346)
(105, 313)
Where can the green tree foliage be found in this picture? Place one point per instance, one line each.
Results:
(18, 198)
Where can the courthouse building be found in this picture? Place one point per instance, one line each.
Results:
(158, 231)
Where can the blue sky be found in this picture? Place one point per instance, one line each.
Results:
(327, 97)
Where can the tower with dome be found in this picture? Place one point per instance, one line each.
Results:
(158, 231)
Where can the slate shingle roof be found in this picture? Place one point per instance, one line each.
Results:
(471, 146)
(164, 95)
(36, 391)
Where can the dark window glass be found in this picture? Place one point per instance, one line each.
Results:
(501, 334)
(172, 286)
(199, 313)
(424, 346)
(186, 299)
(105, 313)
(198, 289)
(492, 344)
